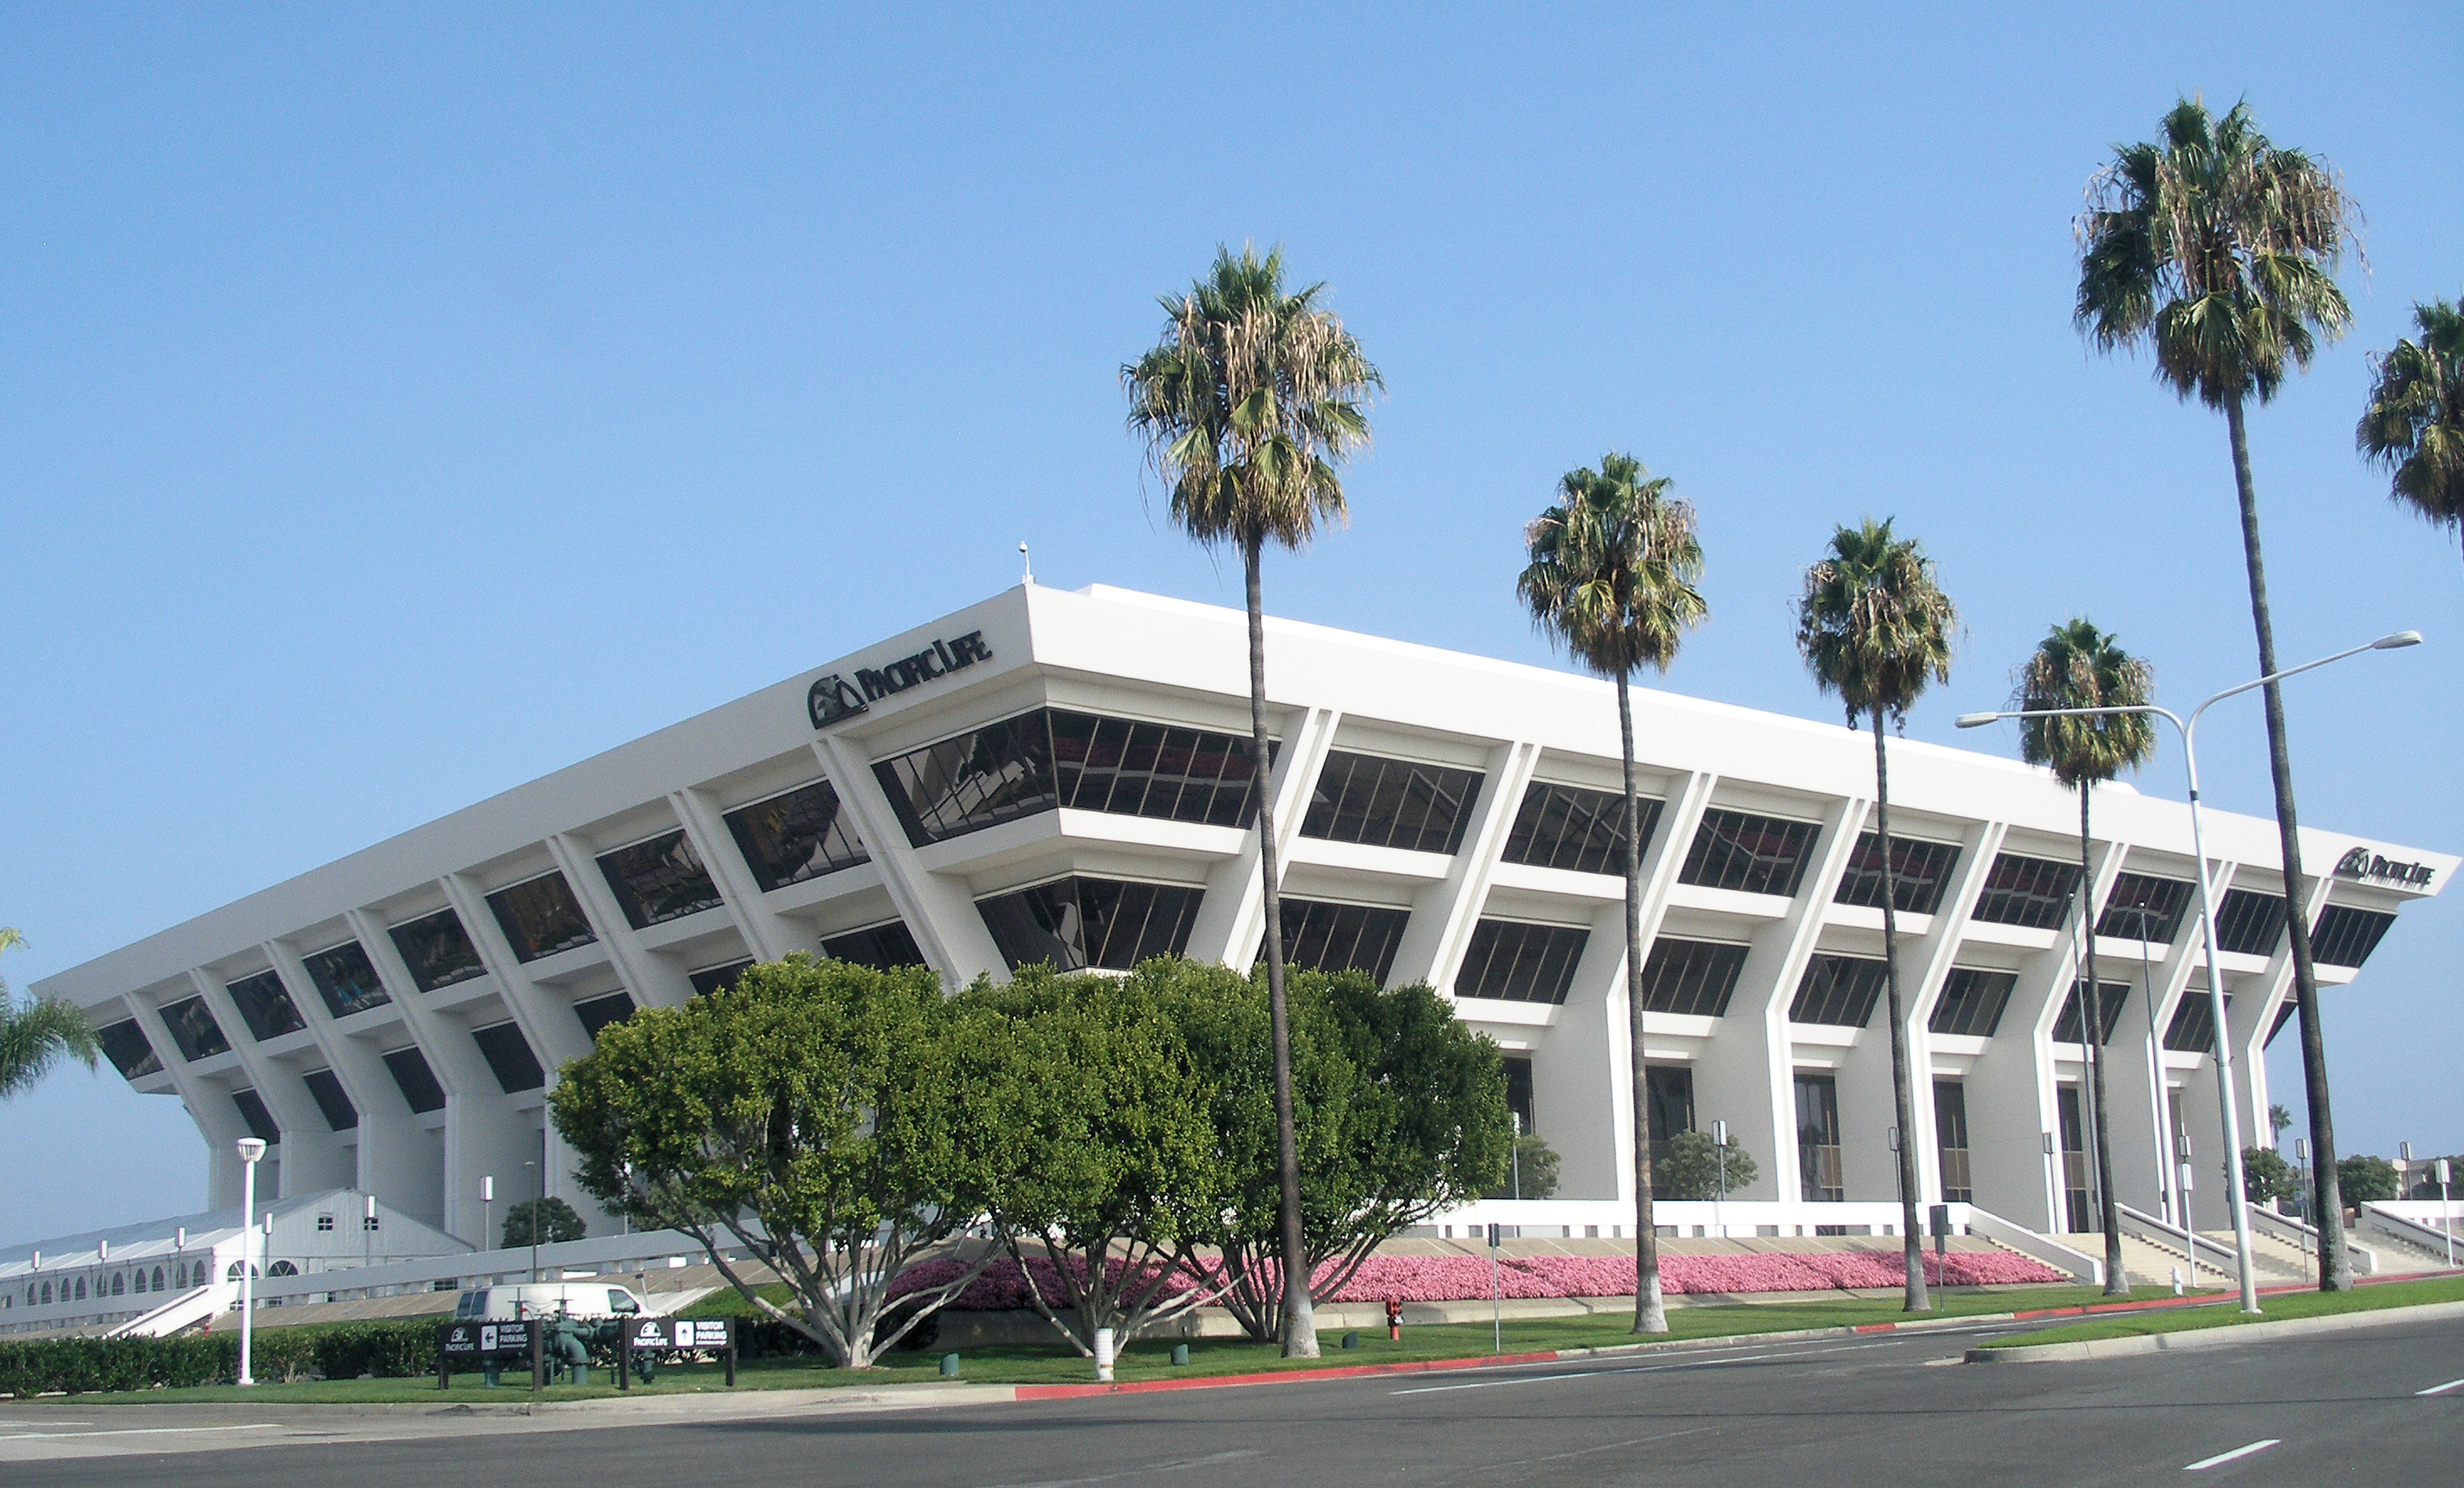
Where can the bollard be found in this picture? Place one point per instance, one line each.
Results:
(1180, 1353)
(1351, 1339)
(1394, 1319)
(1104, 1356)
(492, 1374)
(2177, 1281)
(949, 1366)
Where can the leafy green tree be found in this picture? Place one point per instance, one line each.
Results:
(1875, 627)
(1696, 1165)
(2216, 248)
(37, 1036)
(1247, 403)
(2425, 1178)
(2363, 1179)
(2414, 426)
(1531, 1171)
(2267, 1177)
(2078, 665)
(543, 1221)
(810, 1116)
(1611, 574)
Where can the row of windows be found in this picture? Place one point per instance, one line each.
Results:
(1920, 874)
(1053, 758)
(2142, 908)
(2072, 1022)
(1838, 989)
(136, 1280)
(1382, 803)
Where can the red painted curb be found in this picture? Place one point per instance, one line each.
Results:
(1278, 1376)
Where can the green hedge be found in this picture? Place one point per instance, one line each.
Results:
(340, 1351)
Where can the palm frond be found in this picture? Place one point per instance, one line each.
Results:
(36, 1035)
(2414, 425)
(2078, 665)
(1873, 623)
(1613, 568)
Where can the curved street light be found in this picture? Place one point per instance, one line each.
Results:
(2235, 1197)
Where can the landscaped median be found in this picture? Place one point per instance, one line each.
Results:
(2137, 1327)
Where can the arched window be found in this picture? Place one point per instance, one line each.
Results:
(118, 1284)
(282, 1268)
(47, 1294)
(232, 1272)
(81, 1287)
(137, 1282)
(158, 1279)
(180, 1274)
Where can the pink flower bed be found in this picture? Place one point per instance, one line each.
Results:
(1434, 1279)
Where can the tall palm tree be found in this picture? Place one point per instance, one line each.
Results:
(2078, 665)
(1611, 578)
(1247, 403)
(2217, 249)
(2414, 426)
(34, 1037)
(1875, 627)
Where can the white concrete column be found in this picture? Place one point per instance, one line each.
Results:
(208, 1106)
(939, 909)
(1778, 965)
(312, 1158)
(1231, 924)
(1929, 958)
(667, 984)
(766, 936)
(1444, 914)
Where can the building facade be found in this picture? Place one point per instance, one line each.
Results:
(1069, 775)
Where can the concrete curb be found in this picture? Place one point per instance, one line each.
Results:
(2222, 1336)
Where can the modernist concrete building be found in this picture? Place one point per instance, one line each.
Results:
(1069, 776)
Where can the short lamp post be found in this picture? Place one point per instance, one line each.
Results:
(250, 1149)
(2235, 1197)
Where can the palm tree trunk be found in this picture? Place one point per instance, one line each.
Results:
(2335, 1269)
(1903, 1092)
(2117, 1279)
(1300, 1311)
(1650, 1312)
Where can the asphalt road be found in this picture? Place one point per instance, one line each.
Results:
(1890, 1410)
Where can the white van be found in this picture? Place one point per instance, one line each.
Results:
(545, 1299)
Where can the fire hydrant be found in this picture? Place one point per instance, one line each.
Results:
(1394, 1318)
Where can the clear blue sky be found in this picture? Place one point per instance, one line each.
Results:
(399, 404)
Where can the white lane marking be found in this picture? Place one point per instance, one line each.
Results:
(135, 1431)
(2439, 1390)
(2237, 1453)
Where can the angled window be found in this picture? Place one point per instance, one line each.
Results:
(2249, 924)
(2070, 1023)
(716, 978)
(193, 1029)
(2194, 1029)
(1839, 991)
(346, 979)
(597, 1012)
(980, 778)
(1516, 962)
(2346, 937)
(1583, 831)
(1148, 770)
(1693, 979)
(265, 1007)
(437, 950)
(1342, 937)
(259, 1121)
(2033, 893)
(540, 916)
(325, 1088)
(1971, 1002)
(2144, 907)
(124, 1044)
(659, 880)
(509, 1058)
(1077, 923)
(1920, 874)
(1751, 854)
(1384, 802)
(417, 1082)
(796, 835)
(885, 946)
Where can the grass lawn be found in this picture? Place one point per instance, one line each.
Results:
(2277, 1309)
(1147, 1360)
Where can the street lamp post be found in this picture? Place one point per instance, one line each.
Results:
(538, 1187)
(250, 1149)
(2235, 1197)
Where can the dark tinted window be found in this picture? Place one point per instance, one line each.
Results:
(2284, 1016)
(325, 1088)
(540, 917)
(2034, 893)
(1077, 923)
(1693, 978)
(124, 1044)
(1342, 937)
(1669, 1090)
(1821, 1173)
(1920, 873)
(995, 773)
(2250, 924)
(1515, 962)
(259, 1121)
(2346, 937)
(1950, 1139)
(884, 948)
(799, 835)
(1753, 855)
(2110, 996)
(2194, 1029)
(437, 950)
(193, 1029)
(1518, 1093)
(1971, 1002)
(1566, 827)
(1391, 803)
(712, 978)
(1147, 770)
(597, 1012)
(417, 1082)
(1838, 989)
(346, 979)
(264, 1006)
(659, 880)
(509, 1058)
(2142, 907)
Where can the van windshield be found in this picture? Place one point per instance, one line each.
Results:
(621, 1300)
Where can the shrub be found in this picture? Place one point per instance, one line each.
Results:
(1695, 1167)
(2266, 1175)
(1531, 1171)
(388, 1351)
(78, 1365)
(2363, 1179)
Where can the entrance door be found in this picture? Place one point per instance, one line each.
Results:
(2078, 1202)
(1817, 1138)
(1950, 1137)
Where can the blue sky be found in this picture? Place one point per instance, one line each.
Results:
(400, 404)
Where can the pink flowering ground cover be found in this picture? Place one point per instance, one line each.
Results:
(1434, 1279)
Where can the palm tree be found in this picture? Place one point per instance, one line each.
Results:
(2216, 248)
(34, 1037)
(2078, 665)
(1875, 627)
(1247, 403)
(1611, 578)
(2414, 426)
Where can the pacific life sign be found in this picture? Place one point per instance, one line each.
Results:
(2362, 864)
(834, 697)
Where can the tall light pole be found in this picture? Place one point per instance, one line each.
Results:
(539, 1188)
(250, 1149)
(2234, 1198)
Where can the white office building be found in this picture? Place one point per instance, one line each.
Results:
(1069, 775)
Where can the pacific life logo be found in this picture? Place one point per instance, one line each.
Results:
(834, 697)
(2361, 863)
